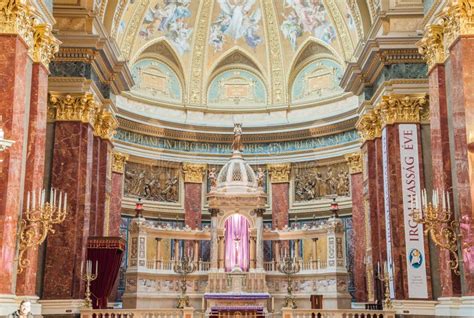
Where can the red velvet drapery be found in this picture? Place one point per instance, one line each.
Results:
(108, 252)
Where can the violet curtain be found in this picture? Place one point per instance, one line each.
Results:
(108, 252)
(236, 254)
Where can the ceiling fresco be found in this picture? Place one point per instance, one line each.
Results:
(276, 41)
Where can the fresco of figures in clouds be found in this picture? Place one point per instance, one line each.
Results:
(170, 17)
(238, 19)
(306, 17)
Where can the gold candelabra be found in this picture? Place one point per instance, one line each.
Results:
(289, 266)
(385, 279)
(438, 223)
(183, 267)
(88, 276)
(38, 221)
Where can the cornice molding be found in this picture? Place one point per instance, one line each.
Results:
(227, 137)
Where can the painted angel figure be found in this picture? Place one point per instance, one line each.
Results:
(237, 10)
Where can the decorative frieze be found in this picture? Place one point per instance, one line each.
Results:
(82, 108)
(194, 173)
(319, 182)
(154, 183)
(354, 161)
(119, 161)
(279, 173)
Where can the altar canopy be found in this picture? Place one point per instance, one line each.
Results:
(236, 243)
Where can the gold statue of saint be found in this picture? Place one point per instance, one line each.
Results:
(237, 145)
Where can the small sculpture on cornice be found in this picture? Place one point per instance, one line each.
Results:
(260, 177)
(213, 178)
(237, 145)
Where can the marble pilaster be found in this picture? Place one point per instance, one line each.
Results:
(15, 74)
(26, 281)
(259, 239)
(118, 168)
(214, 237)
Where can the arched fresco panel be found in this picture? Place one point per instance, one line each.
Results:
(237, 87)
(156, 80)
(318, 80)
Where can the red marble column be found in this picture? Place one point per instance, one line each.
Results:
(280, 204)
(192, 204)
(371, 192)
(358, 224)
(95, 188)
(72, 173)
(441, 159)
(460, 81)
(116, 193)
(14, 79)
(26, 281)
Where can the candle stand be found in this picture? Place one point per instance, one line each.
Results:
(184, 267)
(289, 266)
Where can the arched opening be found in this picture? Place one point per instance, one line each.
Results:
(237, 243)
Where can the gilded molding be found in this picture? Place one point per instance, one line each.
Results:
(82, 108)
(432, 45)
(194, 173)
(354, 161)
(403, 109)
(279, 173)
(45, 45)
(118, 162)
(369, 126)
(16, 18)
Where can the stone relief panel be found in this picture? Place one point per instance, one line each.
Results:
(237, 87)
(157, 80)
(154, 183)
(317, 80)
(318, 182)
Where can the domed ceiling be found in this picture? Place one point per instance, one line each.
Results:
(238, 55)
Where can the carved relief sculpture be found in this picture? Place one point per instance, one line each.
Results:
(313, 183)
(152, 183)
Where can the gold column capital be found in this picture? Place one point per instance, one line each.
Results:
(279, 173)
(354, 161)
(45, 45)
(369, 125)
(16, 17)
(81, 108)
(193, 173)
(403, 109)
(432, 45)
(457, 19)
(105, 124)
(118, 162)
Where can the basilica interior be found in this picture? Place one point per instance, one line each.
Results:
(236, 158)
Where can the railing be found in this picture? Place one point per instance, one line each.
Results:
(305, 266)
(336, 313)
(168, 265)
(137, 313)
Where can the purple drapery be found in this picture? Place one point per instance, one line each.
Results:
(236, 242)
(107, 251)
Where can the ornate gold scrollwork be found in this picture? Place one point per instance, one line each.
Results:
(432, 45)
(355, 162)
(118, 163)
(45, 45)
(193, 173)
